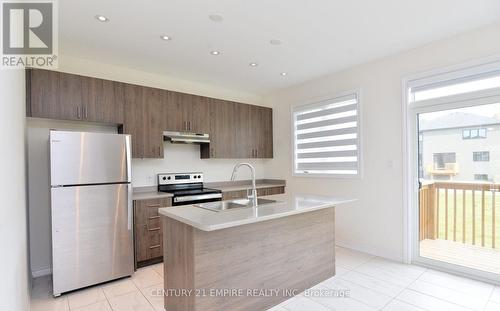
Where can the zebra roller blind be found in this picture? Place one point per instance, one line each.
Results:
(326, 137)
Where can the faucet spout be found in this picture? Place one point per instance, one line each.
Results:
(253, 196)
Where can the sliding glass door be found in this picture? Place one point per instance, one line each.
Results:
(453, 131)
(459, 181)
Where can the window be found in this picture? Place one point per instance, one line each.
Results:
(481, 177)
(441, 159)
(474, 133)
(457, 88)
(477, 79)
(481, 156)
(326, 137)
(466, 134)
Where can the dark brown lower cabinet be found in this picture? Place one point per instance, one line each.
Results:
(270, 191)
(148, 235)
(261, 192)
(233, 195)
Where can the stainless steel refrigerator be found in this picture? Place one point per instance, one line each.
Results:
(91, 206)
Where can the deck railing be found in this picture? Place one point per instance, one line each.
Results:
(464, 212)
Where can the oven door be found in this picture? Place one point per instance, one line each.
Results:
(195, 199)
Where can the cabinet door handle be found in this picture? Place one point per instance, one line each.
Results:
(78, 112)
(154, 229)
(154, 217)
(86, 113)
(154, 246)
(153, 205)
(256, 153)
(159, 150)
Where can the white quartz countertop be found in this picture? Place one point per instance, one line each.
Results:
(286, 205)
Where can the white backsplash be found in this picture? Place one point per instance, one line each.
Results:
(185, 158)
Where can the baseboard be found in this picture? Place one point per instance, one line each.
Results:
(41, 272)
(367, 250)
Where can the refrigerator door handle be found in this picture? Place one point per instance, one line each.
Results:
(130, 205)
(129, 158)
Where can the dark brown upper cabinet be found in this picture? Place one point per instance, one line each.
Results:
(264, 132)
(236, 130)
(65, 96)
(103, 100)
(42, 94)
(222, 127)
(143, 111)
(185, 112)
(153, 129)
(134, 118)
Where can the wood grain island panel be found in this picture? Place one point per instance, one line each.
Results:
(248, 267)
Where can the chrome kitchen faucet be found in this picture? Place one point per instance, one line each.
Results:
(253, 196)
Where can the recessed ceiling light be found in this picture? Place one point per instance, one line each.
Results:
(102, 18)
(166, 38)
(283, 73)
(275, 42)
(216, 18)
(253, 64)
(215, 52)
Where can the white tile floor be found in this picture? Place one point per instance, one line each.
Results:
(374, 284)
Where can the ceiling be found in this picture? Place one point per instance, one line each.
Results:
(318, 36)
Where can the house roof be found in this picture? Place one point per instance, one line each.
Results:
(458, 120)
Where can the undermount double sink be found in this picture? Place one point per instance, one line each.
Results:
(232, 205)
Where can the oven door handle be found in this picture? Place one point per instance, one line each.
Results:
(191, 198)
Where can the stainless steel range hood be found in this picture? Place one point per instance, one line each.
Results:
(186, 138)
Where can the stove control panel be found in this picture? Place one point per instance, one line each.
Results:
(180, 178)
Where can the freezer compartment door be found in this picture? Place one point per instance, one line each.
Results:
(92, 236)
(78, 158)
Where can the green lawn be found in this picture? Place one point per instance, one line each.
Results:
(488, 220)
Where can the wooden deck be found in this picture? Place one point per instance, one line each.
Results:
(472, 256)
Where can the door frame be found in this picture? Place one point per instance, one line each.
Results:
(410, 112)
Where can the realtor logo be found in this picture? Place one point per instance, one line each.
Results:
(29, 37)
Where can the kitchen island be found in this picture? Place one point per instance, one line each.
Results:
(248, 258)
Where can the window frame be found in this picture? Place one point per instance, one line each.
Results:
(480, 179)
(479, 154)
(477, 131)
(443, 155)
(318, 101)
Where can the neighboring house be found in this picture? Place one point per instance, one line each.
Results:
(461, 147)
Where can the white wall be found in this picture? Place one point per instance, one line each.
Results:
(178, 158)
(14, 291)
(375, 222)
